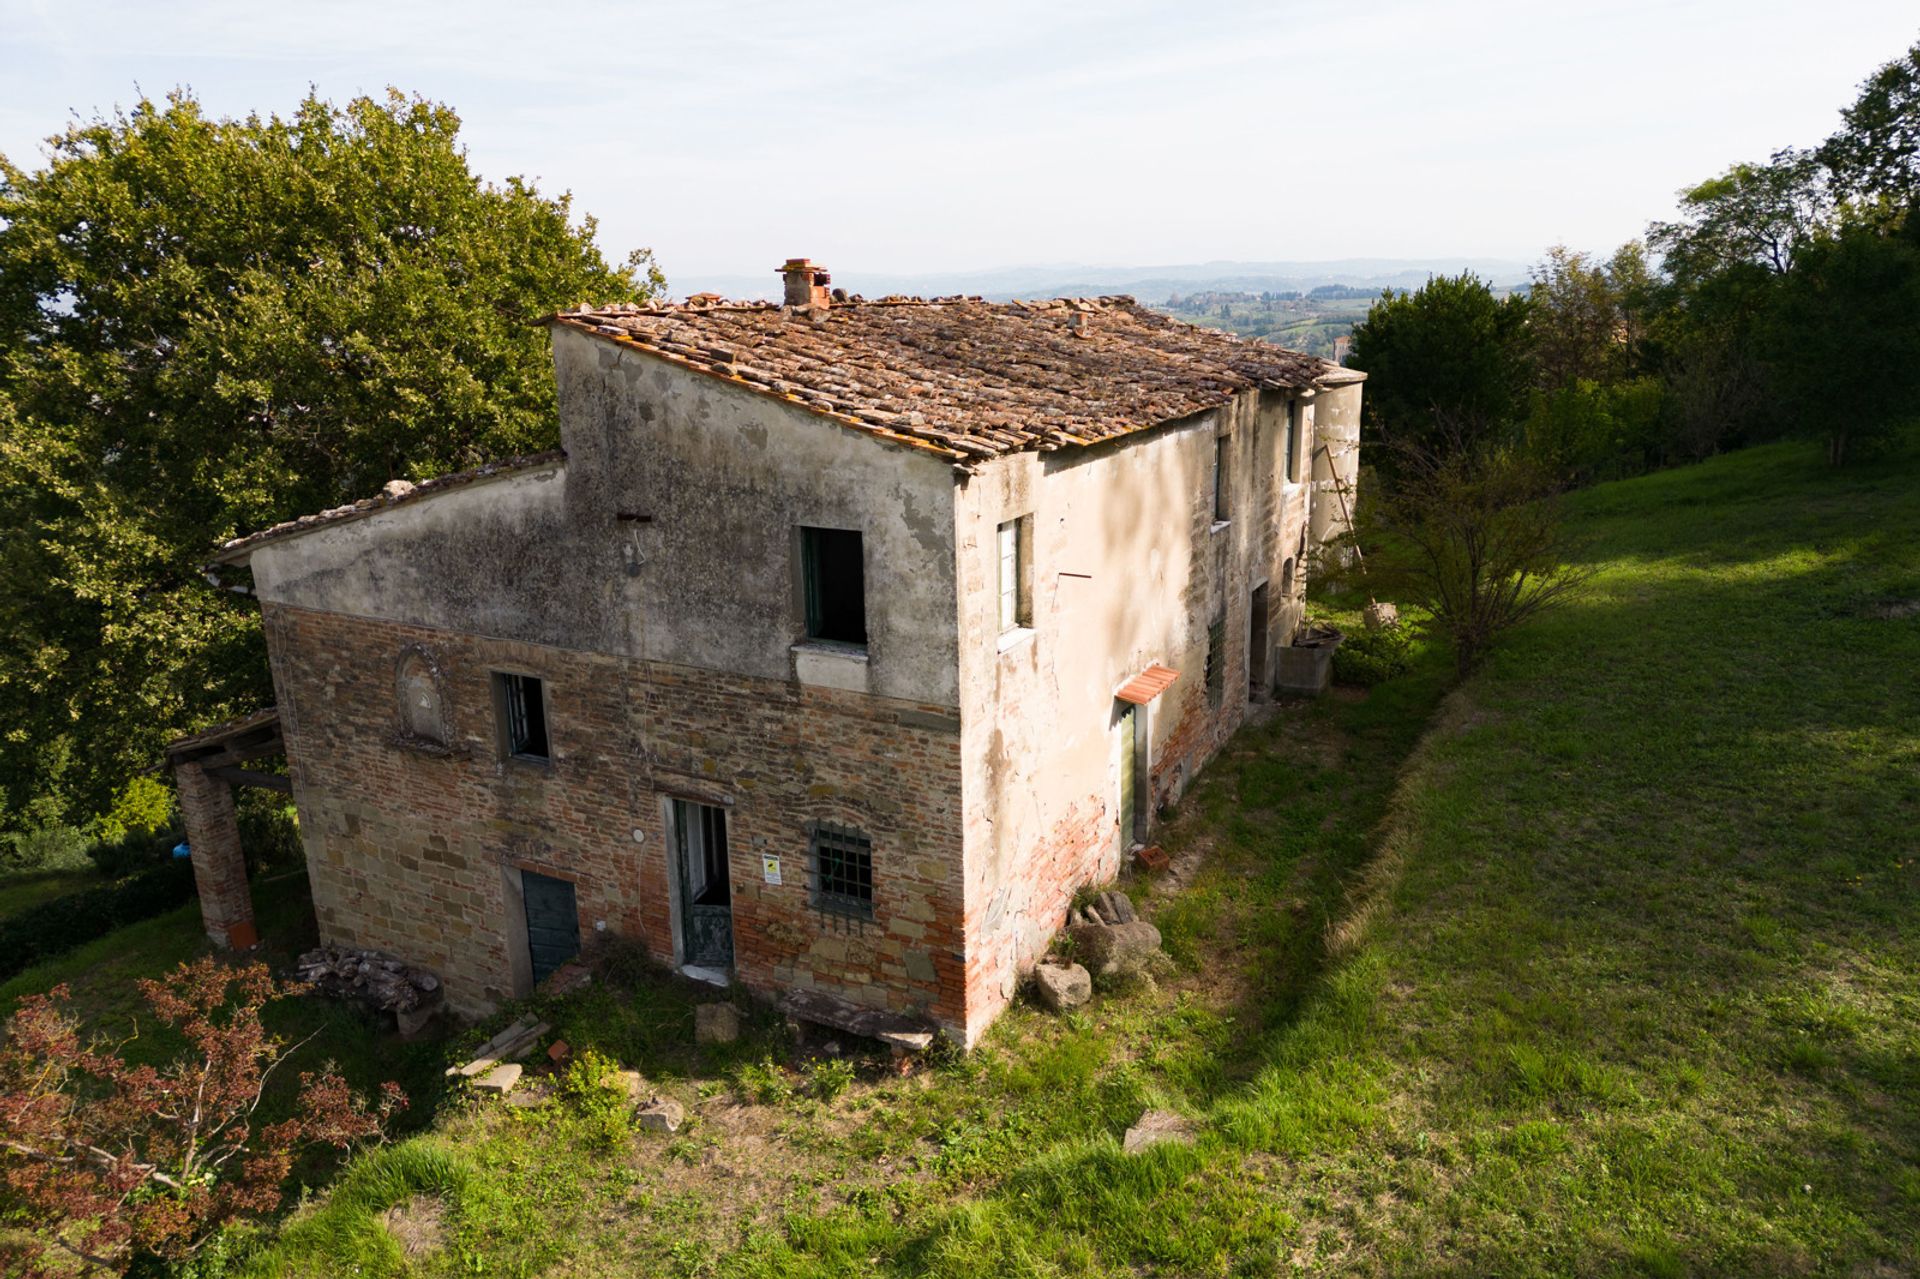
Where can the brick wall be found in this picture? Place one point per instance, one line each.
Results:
(416, 849)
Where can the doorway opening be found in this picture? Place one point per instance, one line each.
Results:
(706, 884)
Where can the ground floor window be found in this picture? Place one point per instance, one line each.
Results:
(842, 871)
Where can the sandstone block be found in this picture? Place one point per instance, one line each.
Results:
(1116, 949)
(716, 1024)
(660, 1115)
(500, 1079)
(1155, 1127)
(1062, 987)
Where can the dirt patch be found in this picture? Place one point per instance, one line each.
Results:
(1894, 610)
(417, 1225)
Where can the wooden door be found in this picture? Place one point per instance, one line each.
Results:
(553, 922)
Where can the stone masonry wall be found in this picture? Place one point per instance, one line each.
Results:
(416, 848)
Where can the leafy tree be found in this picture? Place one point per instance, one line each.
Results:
(1473, 534)
(208, 326)
(1845, 338)
(1575, 321)
(1875, 157)
(1753, 214)
(1449, 351)
(115, 1161)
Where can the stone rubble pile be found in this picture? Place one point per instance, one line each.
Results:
(1111, 940)
(376, 979)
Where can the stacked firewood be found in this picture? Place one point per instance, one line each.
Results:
(376, 979)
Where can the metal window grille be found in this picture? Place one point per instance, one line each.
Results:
(842, 871)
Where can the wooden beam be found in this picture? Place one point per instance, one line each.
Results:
(251, 777)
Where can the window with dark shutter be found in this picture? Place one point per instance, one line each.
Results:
(1216, 660)
(834, 579)
(522, 705)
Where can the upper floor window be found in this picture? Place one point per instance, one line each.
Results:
(1293, 441)
(1222, 459)
(1016, 572)
(521, 701)
(834, 582)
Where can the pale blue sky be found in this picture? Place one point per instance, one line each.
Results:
(938, 137)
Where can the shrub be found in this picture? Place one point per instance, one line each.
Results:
(592, 1087)
(765, 1083)
(269, 829)
(48, 848)
(132, 852)
(109, 1163)
(1373, 655)
(829, 1077)
(57, 926)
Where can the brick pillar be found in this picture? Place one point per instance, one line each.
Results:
(219, 871)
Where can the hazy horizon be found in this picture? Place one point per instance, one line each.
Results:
(890, 142)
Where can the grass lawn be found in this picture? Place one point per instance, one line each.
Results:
(23, 891)
(1607, 962)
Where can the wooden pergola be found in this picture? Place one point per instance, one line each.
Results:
(206, 767)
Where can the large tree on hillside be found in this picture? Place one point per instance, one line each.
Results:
(1449, 351)
(1875, 157)
(207, 326)
(1752, 215)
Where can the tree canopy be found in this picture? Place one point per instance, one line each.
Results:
(1450, 351)
(210, 325)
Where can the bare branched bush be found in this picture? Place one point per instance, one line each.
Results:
(1472, 533)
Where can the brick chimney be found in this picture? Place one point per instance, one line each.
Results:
(806, 284)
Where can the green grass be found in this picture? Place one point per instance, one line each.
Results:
(1604, 963)
(24, 890)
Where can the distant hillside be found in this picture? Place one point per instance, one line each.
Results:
(1151, 284)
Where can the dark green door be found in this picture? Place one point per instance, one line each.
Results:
(553, 922)
(706, 886)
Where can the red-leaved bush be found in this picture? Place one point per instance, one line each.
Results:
(111, 1160)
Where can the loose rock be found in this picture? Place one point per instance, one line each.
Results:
(1156, 1127)
(500, 1079)
(662, 1115)
(1117, 950)
(716, 1024)
(1062, 987)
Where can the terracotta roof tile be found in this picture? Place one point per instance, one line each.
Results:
(1148, 684)
(967, 378)
(394, 494)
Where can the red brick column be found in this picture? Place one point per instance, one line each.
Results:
(219, 871)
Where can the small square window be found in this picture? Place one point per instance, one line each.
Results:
(1216, 661)
(842, 871)
(521, 703)
(833, 573)
(1014, 541)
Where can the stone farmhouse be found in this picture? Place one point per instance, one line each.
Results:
(842, 642)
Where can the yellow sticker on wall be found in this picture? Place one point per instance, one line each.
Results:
(770, 866)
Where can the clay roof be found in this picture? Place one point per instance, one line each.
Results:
(1148, 684)
(960, 376)
(396, 493)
